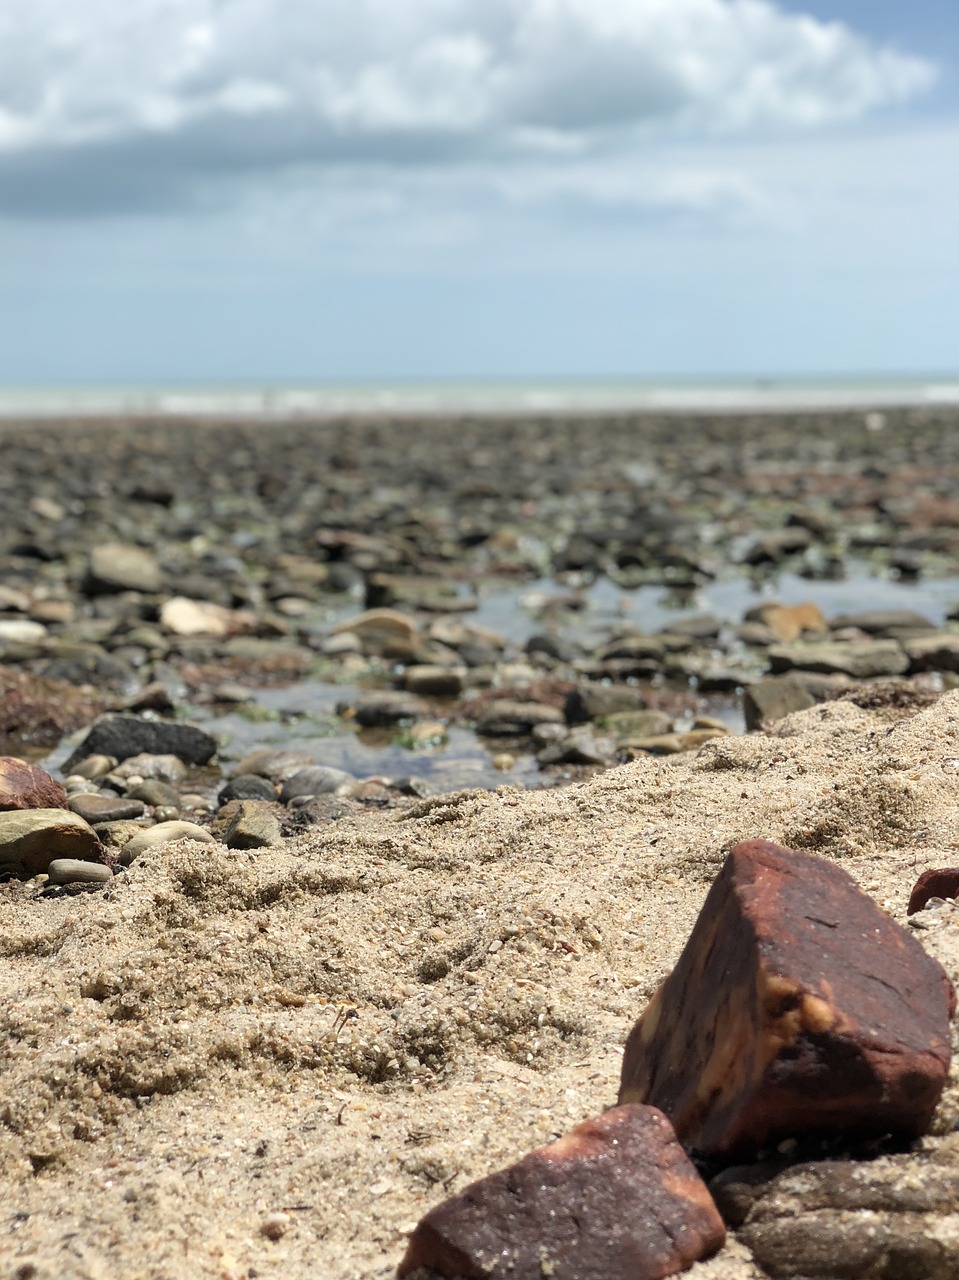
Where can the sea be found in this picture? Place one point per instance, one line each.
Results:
(445, 398)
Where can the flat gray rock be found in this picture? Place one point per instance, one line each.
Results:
(858, 658)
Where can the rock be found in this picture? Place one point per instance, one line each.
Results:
(434, 681)
(31, 838)
(594, 701)
(153, 791)
(505, 717)
(938, 651)
(796, 1008)
(858, 658)
(11, 598)
(119, 566)
(550, 647)
(95, 766)
(114, 835)
(876, 622)
(425, 735)
(579, 746)
(777, 545)
(163, 833)
(380, 628)
(941, 882)
(417, 591)
(267, 762)
(94, 809)
(317, 780)
(252, 825)
(788, 621)
(56, 611)
(774, 698)
(615, 1199)
(20, 631)
(76, 871)
(26, 786)
(202, 618)
(156, 768)
(670, 744)
(387, 707)
(638, 724)
(648, 649)
(124, 736)
(756, 634)
(247, 786)
(700, 626)
(894, 1216)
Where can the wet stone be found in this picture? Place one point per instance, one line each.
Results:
(159, 768)
(568, 1210)
(117, 566)
(788, 622)
(595, 701)
(858, 658)
(876, 622)
(937, 651)
(774, 698)
(505, 717)
(247, 786)
(434, 681)
(153, 791)
(125, 735)
(278, 766)
(579, 746)
(95, 809)
(377, 710)
(797, 1008)
(318, 780)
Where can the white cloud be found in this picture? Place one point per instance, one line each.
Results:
(127, 103)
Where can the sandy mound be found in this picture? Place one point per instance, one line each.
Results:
(394, 1004)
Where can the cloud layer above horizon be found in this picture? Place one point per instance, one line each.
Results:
(155, 104)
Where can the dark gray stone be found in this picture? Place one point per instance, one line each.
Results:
(247, 786)
(124, 736)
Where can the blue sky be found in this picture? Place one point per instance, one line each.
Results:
(307, 190)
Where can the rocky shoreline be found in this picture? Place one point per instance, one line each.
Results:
(179, 568)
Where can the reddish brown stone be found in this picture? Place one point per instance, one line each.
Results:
(942, 882)
(615, 1199)
(796, 1008)
(25, 786)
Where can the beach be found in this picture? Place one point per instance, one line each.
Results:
(271, 1061)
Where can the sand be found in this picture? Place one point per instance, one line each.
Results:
(349, 1029)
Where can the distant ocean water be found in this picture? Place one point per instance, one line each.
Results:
(447, 398)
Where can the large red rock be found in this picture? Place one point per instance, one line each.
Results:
(25, 786)
(615, 1199)
(797, 1008)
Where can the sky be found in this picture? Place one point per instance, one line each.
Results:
(302, 191)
